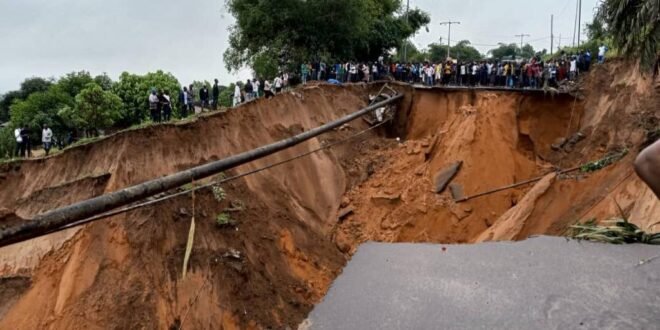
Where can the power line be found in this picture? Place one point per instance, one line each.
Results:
(213, 183)
(522, 37)
(449, 23)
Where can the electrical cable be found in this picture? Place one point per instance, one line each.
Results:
(158, 200)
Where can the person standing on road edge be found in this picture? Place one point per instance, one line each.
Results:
(27, 145)
(237, 94)
(183, 102)
(167, 106)
(204, 97)
(278, 84)
(601, 53)
(268, 89)
(47, 138)
(215, 93)
(303, 73)
(19, 142)
(153, 105)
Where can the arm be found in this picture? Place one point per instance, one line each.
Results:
(647, 166)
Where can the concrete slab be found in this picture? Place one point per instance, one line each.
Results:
(444, 176)
(540, 283)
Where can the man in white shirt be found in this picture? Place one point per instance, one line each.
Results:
(153, 106)
(47, 138)
(278, 84)
(237, 94)
(573, 69)
(601, 53)
(268, 89)
(19, 142)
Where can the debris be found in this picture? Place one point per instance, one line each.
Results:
(456, 191)
(343, 213)
(232, 254)
(390, 198)
(444, 177)
(345, 201)
(558, 144)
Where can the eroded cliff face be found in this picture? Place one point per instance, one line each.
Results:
(285, 244)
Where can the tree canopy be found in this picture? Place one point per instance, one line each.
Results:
(463, 51)
(634, 26)
(294, 31)
(512, 50)
(134, 89)
(94, 109)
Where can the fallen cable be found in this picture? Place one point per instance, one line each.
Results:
(585, 168)
(156, 201)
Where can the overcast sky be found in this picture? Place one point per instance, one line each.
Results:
(187, 38)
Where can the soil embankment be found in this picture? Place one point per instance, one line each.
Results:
(285, 243)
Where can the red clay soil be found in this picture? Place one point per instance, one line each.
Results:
(286, 244)
(126, 272)
(503, 138)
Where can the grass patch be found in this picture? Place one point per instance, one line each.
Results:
(219, 193)
(604, 162)
(615, 231)
(224, 220)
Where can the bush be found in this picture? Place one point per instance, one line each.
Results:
(7, 143)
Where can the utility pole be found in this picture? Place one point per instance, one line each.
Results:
(576, 21)
(449, 23)
(579, 21)
(522, 37)
(552, 34)
(405, 43)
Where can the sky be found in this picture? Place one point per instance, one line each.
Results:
(48, 38)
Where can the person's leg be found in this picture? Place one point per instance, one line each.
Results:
(647, 166)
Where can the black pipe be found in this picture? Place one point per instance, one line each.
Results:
(81, 210)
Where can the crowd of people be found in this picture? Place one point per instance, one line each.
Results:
(256, 88)
(532, 73)
(24, 144)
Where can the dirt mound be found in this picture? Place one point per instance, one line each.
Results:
(267, 249)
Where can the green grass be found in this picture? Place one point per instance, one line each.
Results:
(223, 219)
(615, 231)
(604, 162)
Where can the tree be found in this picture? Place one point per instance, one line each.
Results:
(41, 108)
(226, 97)
(413, 55)
(74, 82)
(294, 31)
(527, 51)
(28, 86)
(512, 51)
(104, 81)
(94, 109)
(463, 51)
(265, 65)
(634, 26)
(134, 92)
(33, 85)
(6, 102)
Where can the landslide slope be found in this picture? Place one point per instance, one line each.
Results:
(125, 272)
(503, 138)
